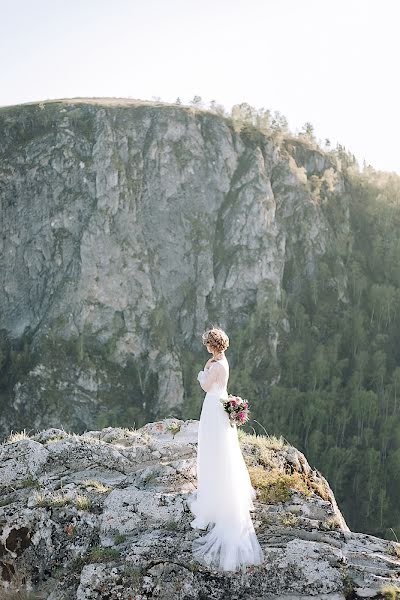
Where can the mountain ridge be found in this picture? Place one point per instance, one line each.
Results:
(128, 230)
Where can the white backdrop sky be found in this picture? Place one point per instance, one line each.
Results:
(333, 63)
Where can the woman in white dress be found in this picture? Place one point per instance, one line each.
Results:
(224, 494)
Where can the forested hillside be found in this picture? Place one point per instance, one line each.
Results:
(128, 227)
(338, 393)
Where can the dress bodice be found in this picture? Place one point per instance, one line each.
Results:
(214, 379)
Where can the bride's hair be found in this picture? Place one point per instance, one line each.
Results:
(216, 338)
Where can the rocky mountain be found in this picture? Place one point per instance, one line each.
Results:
(127, 228)
(104, 515)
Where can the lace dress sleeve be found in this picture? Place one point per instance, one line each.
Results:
(214, 374)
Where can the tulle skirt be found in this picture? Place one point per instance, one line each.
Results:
(224, 494)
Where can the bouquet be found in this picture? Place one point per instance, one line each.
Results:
(237, 409)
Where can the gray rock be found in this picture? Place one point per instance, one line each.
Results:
(99, 519)
(125, 228)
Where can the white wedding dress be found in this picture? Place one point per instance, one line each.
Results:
(224, 494)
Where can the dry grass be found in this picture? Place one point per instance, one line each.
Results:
(266, 458)
(390, 592)
(130, 431)
(262, 442)
(264, 451)
(276, 486)
(331, 523)
(120, 433)
(51, 499)
(82, 502)
(55, 438)
(319, 488)
(17, 437)
(289, 519)
(76, 437)
(96, 486)
(57, 499)
(146, 437)
(395, 549)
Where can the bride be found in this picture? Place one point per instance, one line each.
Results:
(224, 494)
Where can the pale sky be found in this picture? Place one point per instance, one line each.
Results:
(335, 64)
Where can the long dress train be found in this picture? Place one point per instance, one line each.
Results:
(224, 494)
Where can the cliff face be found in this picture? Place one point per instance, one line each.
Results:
(128, 229)
(104, 515)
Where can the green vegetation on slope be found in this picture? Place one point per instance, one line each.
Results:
(338, 395)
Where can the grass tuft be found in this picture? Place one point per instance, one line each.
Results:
(150, 476)
(174, 428)
(96, 486)
(82, 502)
(29, 482)
(289, 519)
(57, 499)
(100, 554)
(171, 525)
(55, 438)
(390, 592)
(262, 442)
(394, 549)
(133, 573)
(331, 523)
(17, 437)
(276, 486)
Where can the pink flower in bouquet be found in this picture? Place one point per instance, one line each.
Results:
(237, 409)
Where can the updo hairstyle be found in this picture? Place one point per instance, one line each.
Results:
(216, 338)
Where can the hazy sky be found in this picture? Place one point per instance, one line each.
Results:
(333, 63)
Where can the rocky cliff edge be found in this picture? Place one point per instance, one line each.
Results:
(104, 514)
